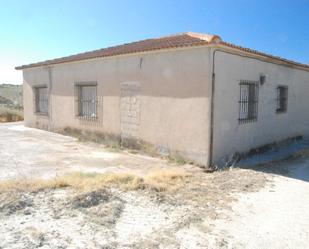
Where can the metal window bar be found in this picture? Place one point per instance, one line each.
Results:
(248, 102)
(282, 99)
(41, 100)
(87, 101)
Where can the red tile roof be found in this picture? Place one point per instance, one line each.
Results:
(252, 51)
(168, 42)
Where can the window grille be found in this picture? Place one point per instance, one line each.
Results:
(248, 102)
(41, 100)
(87, 101)
(282, 99)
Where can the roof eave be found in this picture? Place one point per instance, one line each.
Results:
(214, 41)
(42, 64)
(258, 54)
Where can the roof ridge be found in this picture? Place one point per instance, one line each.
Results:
(171, 35)
(202, 36)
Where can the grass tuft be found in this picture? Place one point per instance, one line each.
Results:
(159, 180)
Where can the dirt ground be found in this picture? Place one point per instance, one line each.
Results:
(261, 207)
(110, 218)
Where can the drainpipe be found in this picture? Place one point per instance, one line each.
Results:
(212, 99)
(50, 88)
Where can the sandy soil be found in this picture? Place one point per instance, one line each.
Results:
(275, 217)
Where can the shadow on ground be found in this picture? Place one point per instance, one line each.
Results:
(288, 160)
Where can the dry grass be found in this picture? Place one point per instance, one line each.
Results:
(8, 115)
(163, 180)
(160, 180)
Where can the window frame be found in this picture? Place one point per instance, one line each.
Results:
(282, 102)
(78, 95)
(248, 104)
(37, 109)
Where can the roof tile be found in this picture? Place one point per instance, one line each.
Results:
(167, 42)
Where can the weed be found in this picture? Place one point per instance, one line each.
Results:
(176, 158)
(115, 144)
(111, 141)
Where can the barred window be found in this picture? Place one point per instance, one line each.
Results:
(282, 99)
(87, 101)
(248, 102)
(41, 100)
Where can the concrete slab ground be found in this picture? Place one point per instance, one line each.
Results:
(27, 152)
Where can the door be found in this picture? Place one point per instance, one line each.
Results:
(129, 110)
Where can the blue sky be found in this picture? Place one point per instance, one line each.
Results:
(35, 30)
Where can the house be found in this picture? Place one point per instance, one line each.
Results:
(189, 93)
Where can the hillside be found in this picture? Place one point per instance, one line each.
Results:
(11, 103)
(11, 96)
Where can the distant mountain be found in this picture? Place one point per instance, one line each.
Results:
(11, 96)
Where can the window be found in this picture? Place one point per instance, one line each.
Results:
(41, 100)
(248, 102)
(87, 101)
(282, 99)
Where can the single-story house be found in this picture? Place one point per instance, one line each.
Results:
(189, 93)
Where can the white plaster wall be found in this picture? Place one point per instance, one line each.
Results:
(33, 78)
(174, 96)
(229, 135)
